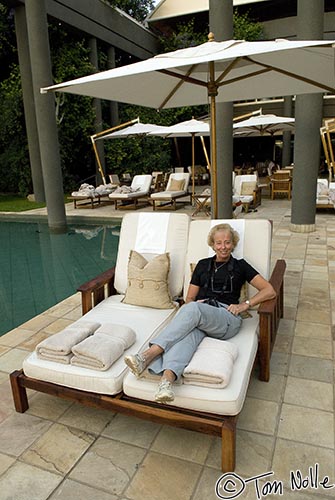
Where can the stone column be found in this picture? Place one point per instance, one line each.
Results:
(113, 106)
(29, 103)
(98, 126)
(221, 24)
(308, 116)
(38, 41)
(287, 135)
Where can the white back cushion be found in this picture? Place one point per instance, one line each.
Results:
(179, 176)
(243, 178)
(254, 245)
(151, 234)
(142, 181)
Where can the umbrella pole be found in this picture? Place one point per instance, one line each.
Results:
(193, 168)
(98, 161)
(212, 92)
(205, 152)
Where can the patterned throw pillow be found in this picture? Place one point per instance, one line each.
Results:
(148, 281)
(177, 185)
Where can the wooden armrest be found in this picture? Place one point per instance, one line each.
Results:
(270, 313)
(97, 289)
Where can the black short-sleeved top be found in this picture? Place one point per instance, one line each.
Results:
(229, 277)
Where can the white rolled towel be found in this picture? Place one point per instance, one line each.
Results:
(211, 364)
(58, 346)
(102, 349)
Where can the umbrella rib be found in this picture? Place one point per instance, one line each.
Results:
(292, 75)
(238, 78)
(182, 79)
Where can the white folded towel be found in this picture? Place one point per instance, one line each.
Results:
(102, 349)
(211, 364)
(58, 346)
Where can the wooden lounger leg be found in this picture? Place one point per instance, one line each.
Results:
(228, 450)
(19, 393)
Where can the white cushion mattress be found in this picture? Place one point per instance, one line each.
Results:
(227, 401)
(166, 195)
(146, 322)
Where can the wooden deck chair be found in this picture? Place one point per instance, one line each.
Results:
(177, 187)
(214, 410)
(149, 234)
(139, 189)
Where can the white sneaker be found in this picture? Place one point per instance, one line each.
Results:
(164, 392)
(136, 363)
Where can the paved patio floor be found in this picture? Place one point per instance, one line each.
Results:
(61, 450)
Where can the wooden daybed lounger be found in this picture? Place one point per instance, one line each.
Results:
(192, 408)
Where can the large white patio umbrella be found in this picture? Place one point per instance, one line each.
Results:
(189, 128)
(215, 72)
(263, 125)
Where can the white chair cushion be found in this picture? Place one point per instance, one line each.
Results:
(151, 234)
(146, 323)
(227, 401)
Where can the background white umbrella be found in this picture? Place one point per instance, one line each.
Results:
(189, 128)
(263, 125)
(138, 129)
(215, 71)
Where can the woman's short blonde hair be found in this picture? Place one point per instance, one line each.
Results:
(222, 227)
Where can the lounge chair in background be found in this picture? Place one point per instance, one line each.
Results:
(130, 195)
(177, 187)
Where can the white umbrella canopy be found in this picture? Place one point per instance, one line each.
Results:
(188, 128)
(216, 72)
(263, 125)
(138, 129)
(184, 129)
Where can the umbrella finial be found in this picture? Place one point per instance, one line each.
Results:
(211, 37)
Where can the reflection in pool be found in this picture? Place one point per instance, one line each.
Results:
(39, 269)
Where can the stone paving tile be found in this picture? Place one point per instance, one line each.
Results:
(315, 330)
(312, 347)
(109, 465)
(258, 416)
(72, 490)
(25, 482)
(184, 444)
(15, 337)
(311, 368)
(292, 456)
(161, 477)
(271, 391)
(309, 393)
(307, 425)
(18, 432)
(12, 359)
(58, 449)
(48, 407)
(93, 420)
(5, 462)
(131, 430)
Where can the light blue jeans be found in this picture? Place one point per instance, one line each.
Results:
(181, 337)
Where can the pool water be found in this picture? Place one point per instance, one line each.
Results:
(39, 269)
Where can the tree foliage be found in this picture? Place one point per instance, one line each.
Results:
(138, 9)
(70, 59)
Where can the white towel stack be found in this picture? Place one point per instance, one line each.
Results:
(58, 346)
(211, 364)
(102, 349)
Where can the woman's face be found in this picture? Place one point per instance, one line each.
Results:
(223, 245)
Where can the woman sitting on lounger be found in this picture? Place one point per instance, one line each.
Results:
(216, 281)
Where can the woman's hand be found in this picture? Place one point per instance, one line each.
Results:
(238, 308)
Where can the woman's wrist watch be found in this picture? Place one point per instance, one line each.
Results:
(248, 302)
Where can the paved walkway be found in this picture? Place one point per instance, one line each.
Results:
(61, 450)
